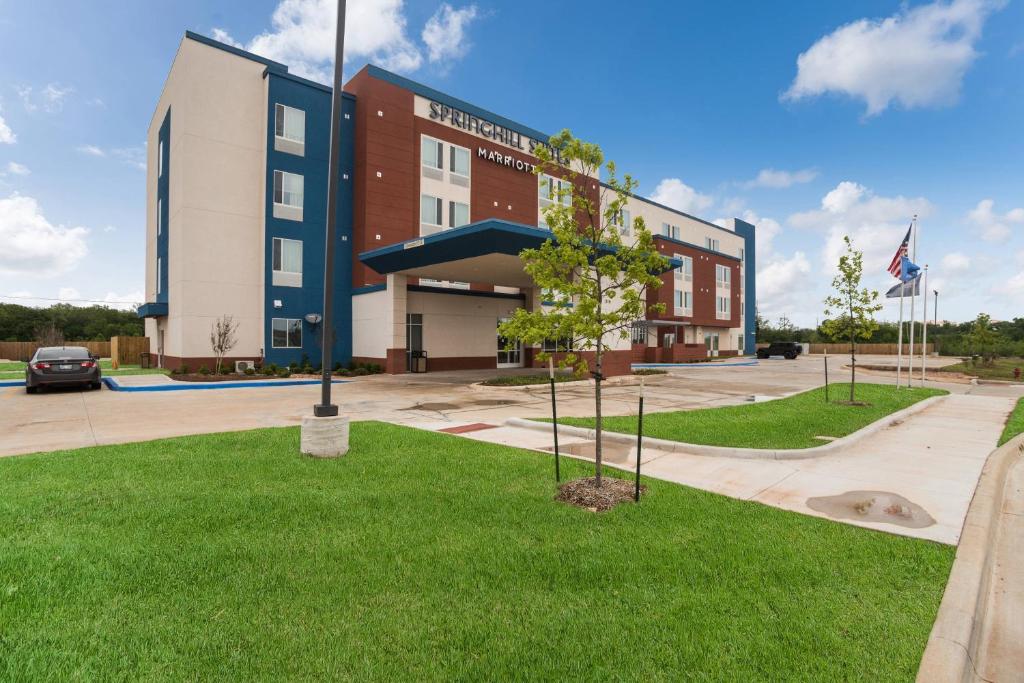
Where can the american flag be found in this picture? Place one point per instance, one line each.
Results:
(894, 267)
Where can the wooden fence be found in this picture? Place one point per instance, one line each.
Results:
(23, 350)
(127, 350)
(869, 349)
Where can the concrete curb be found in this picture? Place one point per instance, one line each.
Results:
(952, 651)
(732, 452)
(617, 381)
(112, 384)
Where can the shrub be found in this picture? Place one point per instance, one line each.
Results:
(375, 368)
(351, 365)
(359, 372)
(343, 372)
(337, 366)
(294, 366)
(250, 371)
(203, 370)
(183, 369)
(284, 372)
(305, 360)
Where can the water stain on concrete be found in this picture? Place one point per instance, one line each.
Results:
(873, 506)
(618, 453)
(439, 406)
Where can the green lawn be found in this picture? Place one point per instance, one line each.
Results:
(422, 556)
(791, 422)
(16, 370)
(1014, 424)
(1001, 368)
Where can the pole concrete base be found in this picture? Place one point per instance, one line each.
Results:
(324, 437)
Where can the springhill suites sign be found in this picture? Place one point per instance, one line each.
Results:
(488, 129)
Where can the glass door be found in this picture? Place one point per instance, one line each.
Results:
(510, 353)
(413, 337)
(711, 344)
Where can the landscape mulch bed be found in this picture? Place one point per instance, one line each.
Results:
(585, 494)
(196, 377)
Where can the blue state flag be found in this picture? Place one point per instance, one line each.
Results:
(908, 270)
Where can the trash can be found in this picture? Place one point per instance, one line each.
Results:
(418, 361)
(145, 360)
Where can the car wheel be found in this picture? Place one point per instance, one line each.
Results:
(94, 385)
(791, 356)
(31, 390)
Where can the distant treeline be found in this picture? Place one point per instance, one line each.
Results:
(950, 339)
(92, 323)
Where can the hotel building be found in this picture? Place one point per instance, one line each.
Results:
(437, 198)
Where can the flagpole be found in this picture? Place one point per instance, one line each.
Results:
(924, 337)
(899, 344)
(913, 299)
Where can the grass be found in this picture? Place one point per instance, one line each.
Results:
(791, 422)
(525, 380)
(1014, 423)
(16, 370)
(422, 556)
(1001, 368)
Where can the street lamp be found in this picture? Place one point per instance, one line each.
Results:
(325, 433)
(936, 308)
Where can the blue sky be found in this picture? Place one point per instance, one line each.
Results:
(812, 119)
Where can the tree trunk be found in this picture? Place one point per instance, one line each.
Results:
(597, 411)
(853, 356)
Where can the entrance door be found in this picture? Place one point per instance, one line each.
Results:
(413, 337)
(711, 344)
(510, 353)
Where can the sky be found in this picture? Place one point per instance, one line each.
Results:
(811, 120)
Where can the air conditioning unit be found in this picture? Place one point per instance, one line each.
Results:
(242, 365)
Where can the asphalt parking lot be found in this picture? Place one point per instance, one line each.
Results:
(71, 418)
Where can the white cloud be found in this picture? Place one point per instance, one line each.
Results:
(915, 58)
(302, 36)
(92, 150)
(445, 32)
(129, 301)
(770, 177)
(845, 195)
(991, 226)
(956, 262)
(782, 286)
(676, 194)
(110, 228)
(14, 168)
(68, 294)
(7, 136)
(34, 246)
(49, 98)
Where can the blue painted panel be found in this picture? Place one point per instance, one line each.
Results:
(152, 310)
(746, 231)
(296, 302)
(163, 184)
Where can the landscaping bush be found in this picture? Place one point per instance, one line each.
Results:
(343, 372)
(203, 370)
(360, 372)
(284, 372)
(375, 368)
(183, 370)
(337, 365)
(250, 371)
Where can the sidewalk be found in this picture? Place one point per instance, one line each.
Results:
(933, 460)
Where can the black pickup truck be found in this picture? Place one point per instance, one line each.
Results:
(788, 350)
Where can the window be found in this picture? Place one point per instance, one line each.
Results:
(160, 160)
(743, 257)
(430, 210)
(683, 302)
(290, 123)
(553, 191)
(671, 231)
(638, 334)
(722, 311)
(159, 216)
(723, 276)
(288, 188)
(458, 214)
(286, 333)
(459, 161)
(622, 221)
(556, 345)
(159, 275)
(679, 299)
(432, 153)
(685, 271)
(287, 256)
(711, 244)
(688, 301)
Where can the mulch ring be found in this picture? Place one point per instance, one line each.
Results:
(583, 493)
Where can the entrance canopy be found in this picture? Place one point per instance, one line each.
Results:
(486, 252)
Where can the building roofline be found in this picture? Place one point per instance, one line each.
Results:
(237, 51)
(677, 212)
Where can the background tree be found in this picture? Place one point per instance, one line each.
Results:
(850, 310)
(48, 334)
(596, 283)
(222, 338)
(983, 338)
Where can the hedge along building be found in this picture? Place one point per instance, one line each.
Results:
(437, 199)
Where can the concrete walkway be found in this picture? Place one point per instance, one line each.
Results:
(933, 459)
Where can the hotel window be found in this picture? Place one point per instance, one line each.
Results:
(683, 302)
(722, 276)
(431, 210)
(556, 345)
(288, 188)
(553, 191)
(159, 216)
(623, 221)
(159, 275)
(685, 271)
(722, 312)
(711, 244)
(670, 230)
(286, 333)
(458, 214)
(459, 161)
(638, 334)
(160, 160)
(286, 263)
(432, 153)
(290, 123)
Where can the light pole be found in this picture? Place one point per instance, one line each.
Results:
(325, 433)
(325, 408)
(936, 309)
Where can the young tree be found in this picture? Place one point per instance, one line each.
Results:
(596, 283)
(850, 310)
(222, 338)
(983, 337)
(48, 334)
